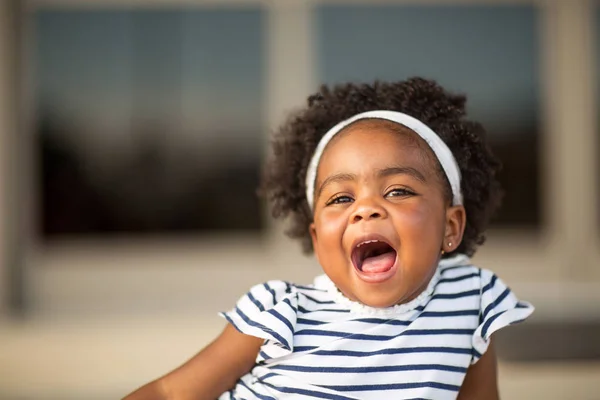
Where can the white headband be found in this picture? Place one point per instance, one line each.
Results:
(438, 146)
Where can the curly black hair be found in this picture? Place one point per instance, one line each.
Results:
(294, 143)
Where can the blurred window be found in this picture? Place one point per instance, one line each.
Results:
(148, 121)
(597, 71)
(488, 52)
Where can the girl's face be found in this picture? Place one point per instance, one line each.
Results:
(381, 218)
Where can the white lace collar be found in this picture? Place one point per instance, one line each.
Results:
(324, 282)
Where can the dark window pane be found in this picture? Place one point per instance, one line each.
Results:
(149, 121)
(487, 52)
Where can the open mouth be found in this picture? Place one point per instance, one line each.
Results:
(373, 256)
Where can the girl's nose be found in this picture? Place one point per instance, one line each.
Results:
(367, 209)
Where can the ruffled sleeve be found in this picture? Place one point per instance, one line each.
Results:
(499, 308)
(267, 311)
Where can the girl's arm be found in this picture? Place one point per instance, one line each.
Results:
(208, 374)
(481, 382)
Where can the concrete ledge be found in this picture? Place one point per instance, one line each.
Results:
(102, 358)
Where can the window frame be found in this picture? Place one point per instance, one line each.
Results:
(561, 256)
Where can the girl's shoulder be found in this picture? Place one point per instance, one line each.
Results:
(264, 296)
(497, 305)
(460, 272)
(270, 311)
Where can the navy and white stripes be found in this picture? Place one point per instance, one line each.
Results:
(319, 346)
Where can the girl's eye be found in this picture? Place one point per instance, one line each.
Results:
(339, 200)
(399, 193)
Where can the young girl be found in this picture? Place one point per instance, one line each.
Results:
(392, 188)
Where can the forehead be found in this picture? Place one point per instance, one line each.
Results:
(374, 144)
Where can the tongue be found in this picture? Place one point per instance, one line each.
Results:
(380, 263)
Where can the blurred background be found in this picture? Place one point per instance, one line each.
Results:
(132, 134)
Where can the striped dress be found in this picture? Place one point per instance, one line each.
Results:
(321, 345)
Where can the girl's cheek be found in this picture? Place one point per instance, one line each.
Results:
(415, 219)
(413, 214)
(332, 216)
(329, 223)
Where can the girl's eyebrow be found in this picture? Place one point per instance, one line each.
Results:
(341, 177)
(382, 173)
(389, 171)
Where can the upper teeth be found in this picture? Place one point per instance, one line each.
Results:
(368, 241)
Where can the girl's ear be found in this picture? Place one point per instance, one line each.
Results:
(456, 219)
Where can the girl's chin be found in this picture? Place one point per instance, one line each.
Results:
(379, 301)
